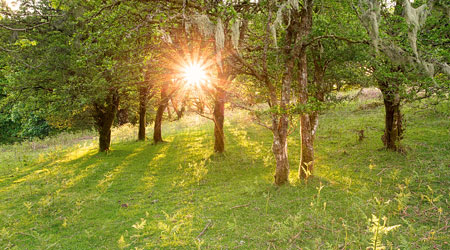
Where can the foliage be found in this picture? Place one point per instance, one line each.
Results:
(378, 230)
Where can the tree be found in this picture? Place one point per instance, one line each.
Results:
(211, 31)
(294, 22)
(409, 59)
(94, 55)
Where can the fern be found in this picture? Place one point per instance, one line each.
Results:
(378, 230)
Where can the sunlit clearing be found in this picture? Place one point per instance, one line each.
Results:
(194, 74)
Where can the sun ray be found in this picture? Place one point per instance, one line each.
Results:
(194, 74)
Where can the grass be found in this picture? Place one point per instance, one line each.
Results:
(179, 194)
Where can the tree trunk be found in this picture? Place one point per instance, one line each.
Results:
(306, 131)
(314, 121)
(279, 149)
(104, 116)
(393, 131)
(179, 112)
(169, 113)
(157, 135)
(142, 112)
(104, 139)
(122, 117)
(280, 128)
(219, 117)
(307, 150)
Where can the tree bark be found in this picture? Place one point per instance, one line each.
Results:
(307, 149)
(122, 116)
(306, 124)
(169, 113)
(157, 135)
(142, 112)
(104, 115)
(393, 131)
(280, 126)
(104, 139)
(219, 117)
(306, 131)
(279, 149)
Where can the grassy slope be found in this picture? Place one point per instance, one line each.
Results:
(164, 196)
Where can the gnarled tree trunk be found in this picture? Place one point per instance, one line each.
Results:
(393, 131)
(104, 115)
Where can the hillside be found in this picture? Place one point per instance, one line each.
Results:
(61, 194)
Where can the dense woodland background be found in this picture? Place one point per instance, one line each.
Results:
(354, 93)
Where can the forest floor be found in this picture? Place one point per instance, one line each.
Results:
(61, 194)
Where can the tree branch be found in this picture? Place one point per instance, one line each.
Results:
(22, 29)
(336, 38)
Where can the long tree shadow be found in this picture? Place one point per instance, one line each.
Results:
(70, 190)
(45, 162)
(187, 181)
(110, 193)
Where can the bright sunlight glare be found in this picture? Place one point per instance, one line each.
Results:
(194, 74)
(13, 4)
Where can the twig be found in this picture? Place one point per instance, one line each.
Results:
(238, 206)
(204, 229)
(23, 29)
(204, 116)
(382, 171)
(294, 237)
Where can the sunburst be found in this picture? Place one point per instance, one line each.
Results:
(194, 75)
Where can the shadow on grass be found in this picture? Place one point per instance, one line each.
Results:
(73, 191)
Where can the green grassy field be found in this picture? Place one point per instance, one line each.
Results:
(62, 194)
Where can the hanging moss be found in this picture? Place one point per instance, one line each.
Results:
(205, 25)
(370, 17)
(235, 33)
(219, 35)
(415, 18)
(220, 41)
(293, 4)
(284, 10)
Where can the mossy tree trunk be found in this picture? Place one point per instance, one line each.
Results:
(393, 131)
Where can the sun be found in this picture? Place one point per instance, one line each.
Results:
(194, 74)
